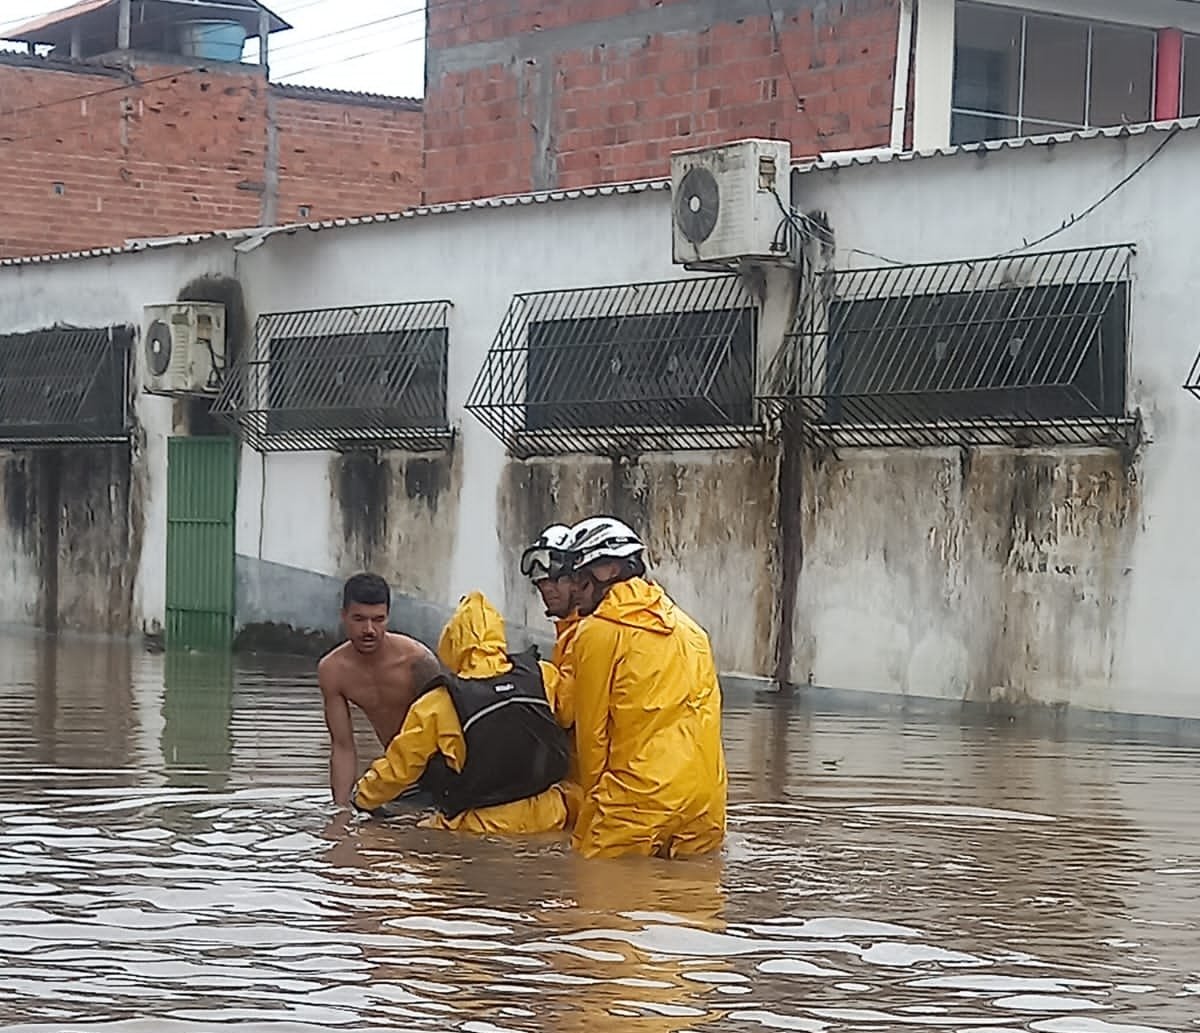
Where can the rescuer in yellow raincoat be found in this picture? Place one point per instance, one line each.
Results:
(647, 708)
(511, 780)
(548, 565)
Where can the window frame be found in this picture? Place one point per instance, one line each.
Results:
(1019, 118)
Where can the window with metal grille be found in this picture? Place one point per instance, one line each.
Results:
(64, 385)
(1001, 351)
(335, 378)
(1018, 74)
(644, 366)
(396, 379)
(639, 370)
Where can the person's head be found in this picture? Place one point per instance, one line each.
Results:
(604, 552)
(366, 602)
(546, 563)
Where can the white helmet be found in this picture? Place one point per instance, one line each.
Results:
(603, 538)
(548, 556)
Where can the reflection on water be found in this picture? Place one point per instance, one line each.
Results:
(169, 861)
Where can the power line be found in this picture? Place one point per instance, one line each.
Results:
(1068, 223)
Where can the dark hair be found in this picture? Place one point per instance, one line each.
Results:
(366, 590)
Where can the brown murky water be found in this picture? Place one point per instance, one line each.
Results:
(169, 862)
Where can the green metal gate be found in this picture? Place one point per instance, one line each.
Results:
(201, 498)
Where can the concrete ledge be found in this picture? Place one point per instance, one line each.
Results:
(282, 609)
(1036, 720)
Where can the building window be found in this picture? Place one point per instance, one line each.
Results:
(64, 385)
(632, 368)
(689, 369)
(1029, 354)
(1190, 104)
(353, 382)
(1002, 351)
(341, 378)
(1018, 74)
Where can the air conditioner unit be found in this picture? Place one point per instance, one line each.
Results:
(729, 202)
(183, 348)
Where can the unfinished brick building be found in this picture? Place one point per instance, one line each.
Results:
(109, 138)
(564, 94)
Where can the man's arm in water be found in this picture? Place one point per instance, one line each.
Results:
(343, 757)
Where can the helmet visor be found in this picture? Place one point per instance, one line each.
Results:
(541, 562)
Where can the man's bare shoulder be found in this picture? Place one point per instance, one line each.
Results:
(404, 647)
(332, 666)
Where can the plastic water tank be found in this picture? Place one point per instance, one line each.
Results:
(212, 40)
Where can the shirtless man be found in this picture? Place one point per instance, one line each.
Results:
(376, 670)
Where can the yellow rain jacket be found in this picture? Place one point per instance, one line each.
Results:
(647, 729)
(472, 646)
(564, 635)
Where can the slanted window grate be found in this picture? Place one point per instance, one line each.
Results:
(343, 378)
(65, 385)
(1024, 350)
(623, 370)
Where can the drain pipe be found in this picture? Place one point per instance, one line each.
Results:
(904, 37)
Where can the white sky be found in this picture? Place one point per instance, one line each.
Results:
(375, 46)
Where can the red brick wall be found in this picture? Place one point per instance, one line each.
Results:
(346, 156)
(183, 152)
(162, 158)
(508, 114)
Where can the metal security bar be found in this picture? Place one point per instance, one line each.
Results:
(1022, 350)
(340, 379)
(624, 370)
(1192, 384)
(64, 385)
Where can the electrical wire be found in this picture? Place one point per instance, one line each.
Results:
(1068, 223)
(801, 106)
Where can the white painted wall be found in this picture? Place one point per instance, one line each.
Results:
(871, 618)
(936, 208)
(478, 259)
(103, 292)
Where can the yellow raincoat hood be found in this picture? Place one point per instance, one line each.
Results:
(639, 604)
(472, 643)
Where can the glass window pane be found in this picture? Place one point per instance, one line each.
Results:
(987, 59)
(968, 128)
(1056, 53)
(1191, 77)
(1122, 76)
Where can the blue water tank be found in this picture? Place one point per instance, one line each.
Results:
(212, 40)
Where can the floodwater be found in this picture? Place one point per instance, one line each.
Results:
(170, 862)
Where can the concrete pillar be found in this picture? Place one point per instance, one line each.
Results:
(264, 40)
(76, 42)
(124, 21)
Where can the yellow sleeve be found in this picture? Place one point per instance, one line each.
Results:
(432, 726)
(589, 688)
(557, 694)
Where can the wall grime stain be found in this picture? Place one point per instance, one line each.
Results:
(533, 495)
(195, 413)
(1002, 578)
(422, 523)
(19, 503)
(397, 514)
(97, 554)
(362, 482)
(710, 529)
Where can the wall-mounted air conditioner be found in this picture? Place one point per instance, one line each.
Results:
(183, 348)
(732, 203)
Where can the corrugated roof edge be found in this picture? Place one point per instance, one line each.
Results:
(264, 232)
(827, 162)
(323, 94)
(883, 156)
